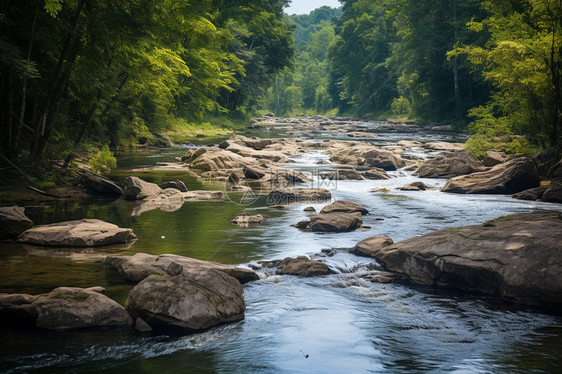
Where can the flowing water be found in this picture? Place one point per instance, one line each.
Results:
(341, 323)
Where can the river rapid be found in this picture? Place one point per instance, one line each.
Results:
(341, 323)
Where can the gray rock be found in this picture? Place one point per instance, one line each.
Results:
(302, 266)
(344, 206)
(203, 195)
(142, 326)
(246, 220)
(65, 308)
(177, 184)
(13, 222)
(168, 200)
(98, 184)
(372, 245)
(137, 189)
(508, 178)
(139, 266)
(450, 165)
(516, 257)
(80, 233)
(194, 300)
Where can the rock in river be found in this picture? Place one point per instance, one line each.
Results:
(415, 186)
(139, 266)
(332, 222)
(191, 300)
(302, 266)
(65, 308)
(98, 184)
(13, 222)
(517, 257)
(372, 245)
(450, 165)
(177, 184)
(137, 189)
(168, 200)
(508, 178)
(344, 206)
(80, 233)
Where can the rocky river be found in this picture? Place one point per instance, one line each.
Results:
(358, 319)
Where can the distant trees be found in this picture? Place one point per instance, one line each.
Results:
(111, 71)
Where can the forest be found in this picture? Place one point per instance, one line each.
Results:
(78, 76)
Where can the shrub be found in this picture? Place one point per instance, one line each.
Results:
(103, 160)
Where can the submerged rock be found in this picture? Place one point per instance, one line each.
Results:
(244, 219)
(508, 178)
(192, 300)
(99, 185)
(79, 233)
(344, 206)
(517, 257)
(302, 266)
(415, 186)
(450, 165)
(139, 266)
(65, 308)
(13, 222)
(137, 189)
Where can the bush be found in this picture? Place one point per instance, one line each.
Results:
(103, 160)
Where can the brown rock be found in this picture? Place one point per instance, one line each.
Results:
(80, 233)
(553, 193)
(415, 186)
(531, 194)
(372, 245)
(98, 184)
(332, 222)
(302, 266)
(177, 184)
(494, 158)
(168, 200)
(244, 219)
(450, 165)
(375, 174)
(508, 178)
(344, 206)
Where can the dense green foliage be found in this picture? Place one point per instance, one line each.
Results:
(109, 72)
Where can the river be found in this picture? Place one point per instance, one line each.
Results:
(340, 323)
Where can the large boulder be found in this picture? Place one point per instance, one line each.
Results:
(168, 200)
(517, 257)
(362, 154)
(191, 300)
(494, 158)
(137, 189)
(508, 178)
(553, 193)
(344, 206)
(139, 266)
(370, 246)
(332, 222)
(98, 184)
(79, 233)
(302, 266)
(213, 159)
(450, 165)
(298, 195)
(13, 222)
(65, 308)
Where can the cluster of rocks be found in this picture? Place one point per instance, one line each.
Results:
(341, 216)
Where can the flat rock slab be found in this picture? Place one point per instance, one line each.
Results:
(79, 233)
(518, 258)
(13, 222)
(65, 308)
(453, 164)
(302, 266)
(344, 206)
(191, 300)
(508, 178)
(141, 265)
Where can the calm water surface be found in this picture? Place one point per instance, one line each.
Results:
(334, 324)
